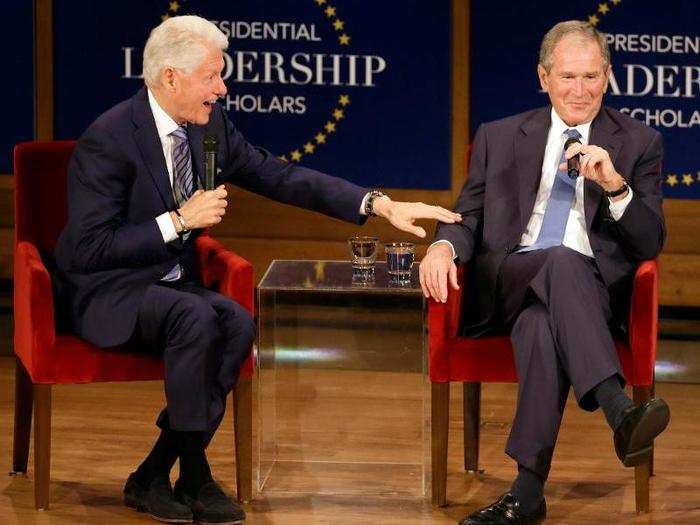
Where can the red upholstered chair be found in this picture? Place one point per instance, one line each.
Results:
(490, 359)
(47, 357)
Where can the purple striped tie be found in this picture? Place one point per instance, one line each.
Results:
(182, 166)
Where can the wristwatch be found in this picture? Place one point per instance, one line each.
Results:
(617, 192)
(369, 203)
(181, 219)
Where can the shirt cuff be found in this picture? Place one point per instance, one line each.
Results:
(618, 208)
(454, 254)
(166, 226)
(363, 204)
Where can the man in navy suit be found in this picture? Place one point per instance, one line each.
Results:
(126, 257)
(552, 256)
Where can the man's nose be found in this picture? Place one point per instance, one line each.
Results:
(578, 87)
(221, 88)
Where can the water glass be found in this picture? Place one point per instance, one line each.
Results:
(363, 253)
(399, 261)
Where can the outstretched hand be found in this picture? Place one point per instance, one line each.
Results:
(402, 215)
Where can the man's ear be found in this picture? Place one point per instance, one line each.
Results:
(544, 78)
(169, 79)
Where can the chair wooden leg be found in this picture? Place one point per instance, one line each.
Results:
(472, 420)
(243, 434)
(643, 471)
(23, 419)
(439, 429)
(42, 445)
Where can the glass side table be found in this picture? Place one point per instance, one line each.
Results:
(342, 391)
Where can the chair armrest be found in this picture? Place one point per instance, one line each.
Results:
(643, 320)
(35, 327)
(228, 273)
(443, 327)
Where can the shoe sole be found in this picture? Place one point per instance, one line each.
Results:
(237, 522)
(651, 425)
(135, 504)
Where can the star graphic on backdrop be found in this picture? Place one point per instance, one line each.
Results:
(320, 138)
(344, 100)
(330, 11)
(687, 179)
(164, 17)
(283, 157)
(616, 2)
(338, 24)
(174, 6)
(603, 8)
(593, 20)
(309, 148)
(296, 155)
(671, 180)
(320, 2)
(344, 39)
(338, 114)
(329, 127)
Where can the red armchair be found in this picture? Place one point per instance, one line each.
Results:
(47, 357)
(490, 359)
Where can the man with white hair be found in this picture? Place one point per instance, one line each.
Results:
(126, 257)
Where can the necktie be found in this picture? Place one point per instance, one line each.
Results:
(558, 206)
(182, 182)
(182, 166)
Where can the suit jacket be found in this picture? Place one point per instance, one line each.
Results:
(504, 175)
(111, 249)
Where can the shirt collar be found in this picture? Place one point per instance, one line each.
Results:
(164, 123)
(558, 127)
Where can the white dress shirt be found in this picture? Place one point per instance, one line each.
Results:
(165, 126)
(575, 235)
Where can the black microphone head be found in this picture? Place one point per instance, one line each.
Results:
(211, 145)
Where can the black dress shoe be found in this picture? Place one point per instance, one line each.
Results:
(157, 499)
(211, 506)
(505, 511)
(640, 425)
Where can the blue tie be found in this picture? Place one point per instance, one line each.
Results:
(558, 206)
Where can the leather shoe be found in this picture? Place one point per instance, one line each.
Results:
(211, 506)
(157, 500)
(506, 511)
(640, 425)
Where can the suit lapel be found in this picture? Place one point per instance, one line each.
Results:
(603, 134)
(146, 136)
(529, 154)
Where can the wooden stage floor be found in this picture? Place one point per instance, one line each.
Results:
(100, 432)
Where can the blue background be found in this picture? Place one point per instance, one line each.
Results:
(395, 135)
(505, 39)
(16, 89)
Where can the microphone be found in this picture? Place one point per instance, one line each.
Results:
(210, 146)
(572, 165)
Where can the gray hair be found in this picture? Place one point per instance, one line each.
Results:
(180, 42)
(583, 30)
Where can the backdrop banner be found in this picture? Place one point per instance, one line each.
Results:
(655, 78)
(360, 90)
(16, 91)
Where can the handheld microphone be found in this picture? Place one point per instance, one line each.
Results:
(573, 164)
(211, 145)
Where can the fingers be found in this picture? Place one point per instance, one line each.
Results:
(433, 274)
(453, 277)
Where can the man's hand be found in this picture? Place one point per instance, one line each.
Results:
(402, 214)
(204, 208)
(435, 269)
(595, 164)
